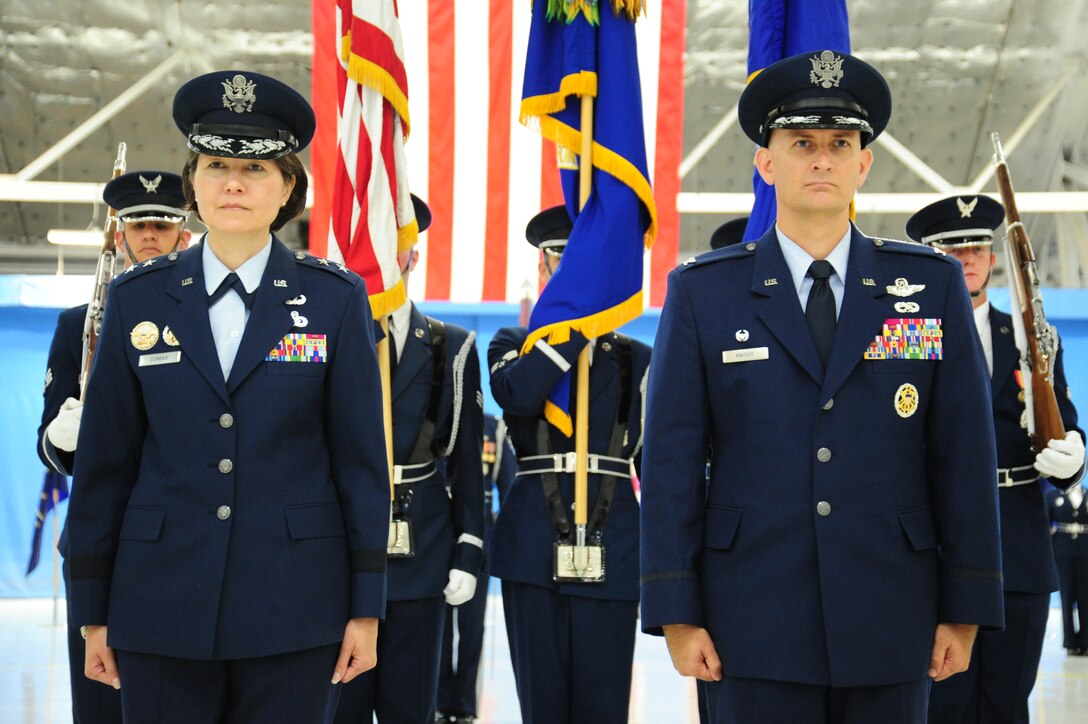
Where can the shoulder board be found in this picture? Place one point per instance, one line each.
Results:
(734, 251)
(334, 267)
(146, 267)
(906, 247)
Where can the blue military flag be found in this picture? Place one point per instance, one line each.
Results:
(579, 48)
(778, 29)
(54, 490)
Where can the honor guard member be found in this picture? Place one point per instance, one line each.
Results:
(845, 549)
(1069, 515)
(458, 682)
(228, 520)
(151, 209)
(1004, 663)
(439, 536)
(729, 233)
(571, 642)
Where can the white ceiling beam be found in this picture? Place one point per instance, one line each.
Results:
(100, 118)
(920, 168)
(1039, 202)
(702, 148)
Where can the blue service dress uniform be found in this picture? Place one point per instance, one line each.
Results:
(1071, 556)
(571, 644)
(1004, 663)
(447, 527)
(233, 523)
(847, 513)
(457, 683)
(92, 703)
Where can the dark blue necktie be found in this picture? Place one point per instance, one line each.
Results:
(231, 281)
(820, 312)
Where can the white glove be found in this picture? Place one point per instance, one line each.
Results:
(1061, 459)
(462, 587)
(64, 429)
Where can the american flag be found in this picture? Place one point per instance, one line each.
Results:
(371, 213)
(485, 175)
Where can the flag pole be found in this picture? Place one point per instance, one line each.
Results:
(387, 399)
(56, 554)
(581, 419)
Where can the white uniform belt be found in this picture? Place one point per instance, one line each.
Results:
(403, 474)
(1073, 528)
(564, 463)
(1012, 477)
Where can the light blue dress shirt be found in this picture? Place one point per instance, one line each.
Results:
(228, 316)
(798, 261)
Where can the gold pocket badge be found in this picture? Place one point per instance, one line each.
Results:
(906, 400)
(144, 336)
(168, 336)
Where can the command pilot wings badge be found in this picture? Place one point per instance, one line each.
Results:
(965, 208)
(826, 70)
(238, 94)
(903, 288)
(151, 187)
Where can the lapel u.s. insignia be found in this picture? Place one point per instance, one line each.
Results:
(903, 288)
(279, 283)
(186, 281)
(906, 400)
(868, 282)
(299, 320)
(169, 337)
(144, 336)
(906, 307)
(297, 301)
(770, 282)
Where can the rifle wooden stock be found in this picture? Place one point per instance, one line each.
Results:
(107, 258)
(1041, 336)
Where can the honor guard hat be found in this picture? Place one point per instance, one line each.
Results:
(729, 233)
(550, 229)
(820, 89)
(241, 114)
(957, 221)
(423, 213)
(147, 196)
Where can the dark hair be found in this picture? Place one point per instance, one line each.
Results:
(290, 167)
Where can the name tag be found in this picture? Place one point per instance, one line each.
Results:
(744, 355)
(162, 358)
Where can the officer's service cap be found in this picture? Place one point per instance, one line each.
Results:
(423, 212)
(729, 233)
(146, 196)
(241, 114)
(820, 89)
(957, 221)
(550, 229)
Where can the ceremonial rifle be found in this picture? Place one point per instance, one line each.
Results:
(107, 259)
(1039, 345)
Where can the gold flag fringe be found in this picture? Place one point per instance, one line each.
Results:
(568, 10)
(368, 73)
(385, 303)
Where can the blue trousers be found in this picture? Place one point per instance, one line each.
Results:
(457, 684)
(92, 702)
(1004, 664)
(735, 700)
(572, 656)
(291, 688)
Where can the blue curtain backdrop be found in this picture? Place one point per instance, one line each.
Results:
(26, 331)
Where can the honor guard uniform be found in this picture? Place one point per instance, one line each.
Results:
(848, 532)
(1004, 663)
(571, 643)
(437, 511)
(458, 683)
(151, 209)
(229, 514)
(1069, 518)
(729, 233)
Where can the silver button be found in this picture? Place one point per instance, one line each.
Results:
(225, 465)
(226, 420)
(173, 256)
(878, 242)
(823, 454)
(823, 508)
(299, 255)
(750, 246)
(223, 512)
(829, 404)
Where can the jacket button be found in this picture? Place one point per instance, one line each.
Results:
(225, 466)
(823, 454)
(829, 404)
(823, 508)
(222, 512)
(226, 420)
